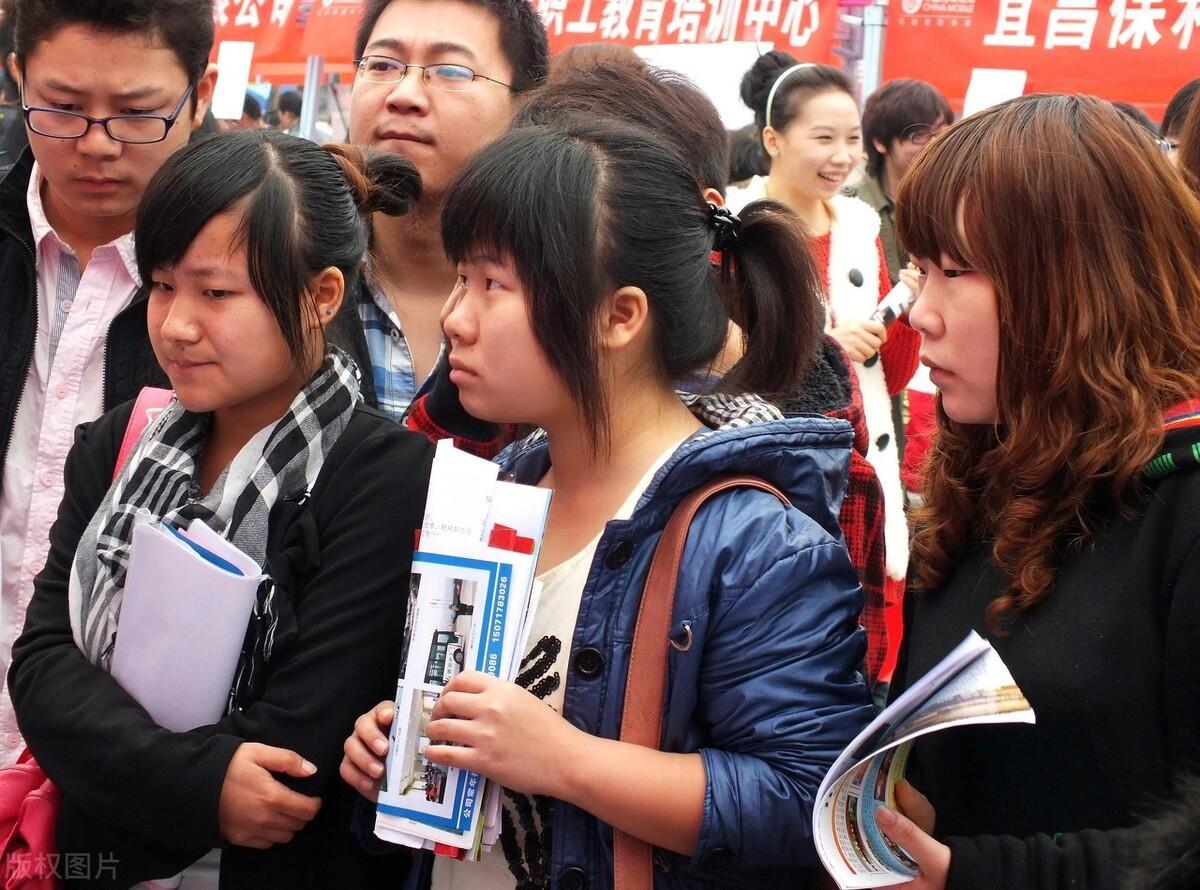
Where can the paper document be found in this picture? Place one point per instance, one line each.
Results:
(471, 596)
(970, 685)
(188, 600)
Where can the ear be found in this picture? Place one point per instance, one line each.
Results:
(879, 146)
(328, 289)
(204, 93)
(771, 140)
(712, 196)
(623, 317)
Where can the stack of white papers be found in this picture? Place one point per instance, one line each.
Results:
(472, 594)
(188, 599)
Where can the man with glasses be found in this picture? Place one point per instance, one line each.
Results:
(898, 121)
(436, 81)
(109, 90)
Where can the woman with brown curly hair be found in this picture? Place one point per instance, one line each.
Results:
(1060, 315)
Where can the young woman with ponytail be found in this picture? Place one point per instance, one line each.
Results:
(578, 311)
(246, 245)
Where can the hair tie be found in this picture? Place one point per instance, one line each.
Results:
(778, 81)
(726, 225)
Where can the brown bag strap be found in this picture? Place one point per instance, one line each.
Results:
(641, 717)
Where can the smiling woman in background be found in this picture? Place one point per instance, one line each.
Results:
(812, 133)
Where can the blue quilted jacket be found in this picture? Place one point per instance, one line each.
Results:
(770, 690)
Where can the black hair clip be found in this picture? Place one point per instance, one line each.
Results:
(726, 225)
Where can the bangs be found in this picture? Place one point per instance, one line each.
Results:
(175, 207)
(935, 206)
(527, 198)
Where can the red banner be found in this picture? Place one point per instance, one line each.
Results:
(331, 30)
(802, 27)
(1137, 51)
(275, 27)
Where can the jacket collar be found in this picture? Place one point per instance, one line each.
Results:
(871, 190)
(14, 187)
(806, 457)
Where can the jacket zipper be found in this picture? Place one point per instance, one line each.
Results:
(37, 318)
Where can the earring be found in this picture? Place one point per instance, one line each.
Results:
(328, 311)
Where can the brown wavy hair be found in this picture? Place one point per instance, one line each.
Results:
(1093, 245)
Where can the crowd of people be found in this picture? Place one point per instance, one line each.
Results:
(570, 267)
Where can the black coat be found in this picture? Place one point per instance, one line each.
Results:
(1109, 663)
(148, 797)
(129, 362)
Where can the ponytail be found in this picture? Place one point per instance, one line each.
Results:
(772, 289)
(379, 182)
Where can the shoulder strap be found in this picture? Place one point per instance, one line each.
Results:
(641, 716)
(150, 403)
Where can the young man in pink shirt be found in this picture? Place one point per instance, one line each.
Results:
(109, 91)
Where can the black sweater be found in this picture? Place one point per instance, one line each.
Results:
(1109, 662)
(149, 797)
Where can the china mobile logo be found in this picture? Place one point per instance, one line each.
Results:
(910, 7)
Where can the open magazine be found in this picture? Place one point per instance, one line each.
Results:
(970, 685)
(470, 600)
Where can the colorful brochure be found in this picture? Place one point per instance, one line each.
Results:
(970, 685)
(470, 599)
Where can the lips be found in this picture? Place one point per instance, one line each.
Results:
(98, 182)
(834, 179)
(404, 136)
(185, 365)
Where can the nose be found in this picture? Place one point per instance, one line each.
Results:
(923, 316)
(458, 322)
(844, 155)
(97, 143)
(179, 324)
(410, 93)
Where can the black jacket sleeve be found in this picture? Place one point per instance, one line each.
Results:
(142, 792)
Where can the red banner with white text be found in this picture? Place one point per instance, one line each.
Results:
(1137, 51)
(802, 27)
(275, 27)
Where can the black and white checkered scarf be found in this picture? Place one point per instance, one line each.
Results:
(280, 461)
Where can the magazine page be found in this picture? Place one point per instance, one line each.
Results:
(971, 685)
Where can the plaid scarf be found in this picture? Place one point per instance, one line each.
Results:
(280, 461)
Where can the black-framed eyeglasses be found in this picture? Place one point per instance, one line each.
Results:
(442, 76)
(136, 129)
(920, 134)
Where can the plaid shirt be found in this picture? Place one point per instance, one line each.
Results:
(392, 370)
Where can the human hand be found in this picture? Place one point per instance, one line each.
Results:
(256, 809)
(860, 339)
(365, 750)
(502, 731)
(914, 832)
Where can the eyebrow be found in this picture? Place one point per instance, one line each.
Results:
(485, 258)
(435, 49)
(59, 86)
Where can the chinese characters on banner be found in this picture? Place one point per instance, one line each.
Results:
(802, 27)
(1137, 51)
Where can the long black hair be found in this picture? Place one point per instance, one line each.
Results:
(588, 207)
(305, 209)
